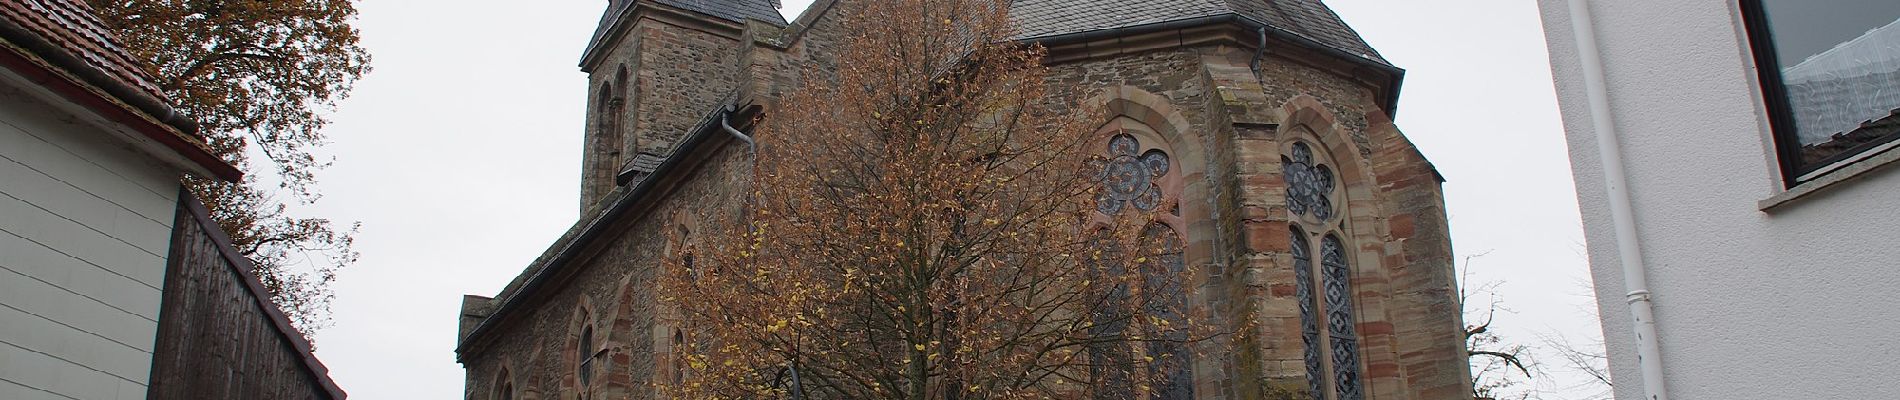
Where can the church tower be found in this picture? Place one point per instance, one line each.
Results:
(655, 68)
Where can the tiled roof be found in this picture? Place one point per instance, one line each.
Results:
(1310, 19)
(72, 26)
(63, 46)
(731, 10)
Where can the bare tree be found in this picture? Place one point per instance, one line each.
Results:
(1499, 367)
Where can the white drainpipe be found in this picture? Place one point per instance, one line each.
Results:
(1629, 250)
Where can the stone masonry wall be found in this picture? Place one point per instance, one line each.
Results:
(1224, 121)
(612, 289)
(676, 74)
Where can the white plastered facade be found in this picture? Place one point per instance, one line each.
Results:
(1791, 302)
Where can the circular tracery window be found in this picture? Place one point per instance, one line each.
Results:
(1310, 185)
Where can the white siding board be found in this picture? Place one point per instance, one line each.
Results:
(80, 312)
(85, 208)
(38, 262)
(58, 376)
(87, 157)
(81, 242)
(68, 343)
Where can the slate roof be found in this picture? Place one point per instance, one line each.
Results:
(72, 26)
(639, 167)
(1310, 19)
(730, 10)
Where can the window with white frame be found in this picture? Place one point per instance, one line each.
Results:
(1830, 73)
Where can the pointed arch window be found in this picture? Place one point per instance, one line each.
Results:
(1140, 176)
(1324, 288)
(585, 370)
(504, 385)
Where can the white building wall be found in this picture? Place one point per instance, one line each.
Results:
(85, 225)
(1798, 303)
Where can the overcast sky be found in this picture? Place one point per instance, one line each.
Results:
(460, 154)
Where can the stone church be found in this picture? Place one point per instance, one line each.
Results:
(1302, 206)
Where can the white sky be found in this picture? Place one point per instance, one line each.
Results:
(460, 154)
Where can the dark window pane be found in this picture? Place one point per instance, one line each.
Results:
(587, 356)
(1172, 369)
(1338, 277)
(1840, 67)
(1309, 323)
(1309, 184)
(1128, 178)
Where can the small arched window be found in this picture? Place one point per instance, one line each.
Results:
(585, 370)
(1312, 195)
(679, 371)
(504, 386)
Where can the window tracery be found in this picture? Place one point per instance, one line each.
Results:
(1324, 291)
(1136, 180)
(1129, 178)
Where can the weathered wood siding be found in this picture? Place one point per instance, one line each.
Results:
(219, 335)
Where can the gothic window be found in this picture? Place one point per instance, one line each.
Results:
(1309, 324)
(1339, 321)
(604, 118)
(1129, 178)
(1173, 378)
(504, 386)
(1324, 289)
(1139, 177)
(679, 371)
(585, 369)
(1309, 185)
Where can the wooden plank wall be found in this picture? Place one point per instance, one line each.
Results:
(219, 335)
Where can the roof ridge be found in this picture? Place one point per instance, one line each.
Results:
(1308, 19)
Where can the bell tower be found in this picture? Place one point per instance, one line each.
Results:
(654, 69)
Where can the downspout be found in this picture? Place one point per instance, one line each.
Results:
(1622, 216)
(725, 121)
(1260, 52)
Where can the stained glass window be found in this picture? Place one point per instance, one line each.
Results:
(1108, 359)
(1339, 321)
(1128, 177)
(1131, 179)
(1324, 293)
(1309, 184)
(1174, 379)
(1309, 324)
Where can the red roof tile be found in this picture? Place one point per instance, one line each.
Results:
(72, 25)
(63, 46)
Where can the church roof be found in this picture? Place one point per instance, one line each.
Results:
(1308, 19)
(730, 10)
